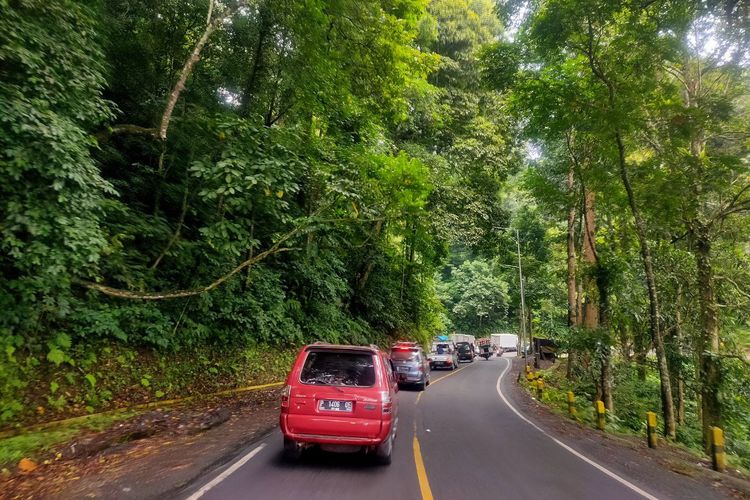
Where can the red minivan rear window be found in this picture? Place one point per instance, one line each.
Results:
(338, 368)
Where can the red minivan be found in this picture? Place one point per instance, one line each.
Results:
(342, 399)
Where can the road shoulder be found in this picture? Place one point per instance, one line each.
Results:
(665, 469)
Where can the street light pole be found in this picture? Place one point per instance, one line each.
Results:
(523, 300)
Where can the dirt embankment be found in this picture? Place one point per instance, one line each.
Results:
(149, 455)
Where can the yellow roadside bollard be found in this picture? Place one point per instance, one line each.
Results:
(651, 429)
(571, 404)
(600, 416)
(528, 369)
(718, 456)
(530, 377)
(539, 389)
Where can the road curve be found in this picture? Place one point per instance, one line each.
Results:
(472, 443)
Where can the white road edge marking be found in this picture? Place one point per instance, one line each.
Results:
(239, 463)
(597, 466)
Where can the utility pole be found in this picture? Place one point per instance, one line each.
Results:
(523, 300)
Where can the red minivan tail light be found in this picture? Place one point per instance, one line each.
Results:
(386, 402)
(285, 393)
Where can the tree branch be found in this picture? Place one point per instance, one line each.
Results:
(123, 129)
(274, 249)
(178, 230)
(733, 206)
(187, 68)
(736, 286)
(127, 294)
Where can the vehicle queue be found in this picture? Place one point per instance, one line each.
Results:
(343, 399)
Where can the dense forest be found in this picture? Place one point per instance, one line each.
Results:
(191, 188)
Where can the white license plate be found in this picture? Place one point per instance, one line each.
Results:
(402, 368)
(334, 405)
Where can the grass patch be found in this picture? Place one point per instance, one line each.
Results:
(36, 443)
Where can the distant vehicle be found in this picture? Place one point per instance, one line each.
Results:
(485, 348)
(506, 341)
(341, 399)
(457, 338)
(465, 352)
(443, 356)
(410, 364)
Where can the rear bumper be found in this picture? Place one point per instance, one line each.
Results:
(411, 378)
(442, 364)
(308, 438)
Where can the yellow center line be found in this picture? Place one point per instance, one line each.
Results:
(424, 484)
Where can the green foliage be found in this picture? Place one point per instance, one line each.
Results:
(476, 297)
(350, 172)
(625, 105)
(51, 84)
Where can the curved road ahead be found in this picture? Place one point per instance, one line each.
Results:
(462, 438)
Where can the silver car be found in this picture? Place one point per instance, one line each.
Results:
(410, 365)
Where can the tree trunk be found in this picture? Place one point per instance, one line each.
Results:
(708, 344)
(640, 229)
(680, 353)
(625, 343)
(641, 347)
(264, 28)
(573, 319)
(591, 303)
(709, 371)
(602, 284)
(362, 282)
(656, 334)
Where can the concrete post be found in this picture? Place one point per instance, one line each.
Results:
(651, 429)
(600, 416)
(571, 404)
(718, 456)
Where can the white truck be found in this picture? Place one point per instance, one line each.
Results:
(506, 341)
(462, 337)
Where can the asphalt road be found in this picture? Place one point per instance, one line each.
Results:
(462, 438)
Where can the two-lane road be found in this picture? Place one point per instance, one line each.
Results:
(461, 438)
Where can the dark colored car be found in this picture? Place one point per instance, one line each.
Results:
(341, 399)
(465, 352)
(410, 365)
